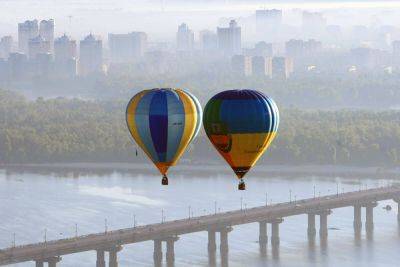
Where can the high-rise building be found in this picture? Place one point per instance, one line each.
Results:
(282, 67)
(43, 65)
(208, 40)
(396, 55)
(363, 59)
(294, 48)
(299, 48)
(127, 47)
(91, 55)
(64, 48)
(268, 19)
(65, 53)
(396, 48)
(262, 66)
(3, 69)
(18, 65)
(184, 38)
(26, 31)
(261, 49)
(311, 47)
(242, 65)
(46, 30)
(38, 45)
(5, 46)
(230, 39)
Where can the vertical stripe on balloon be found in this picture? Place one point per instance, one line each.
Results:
(176, 124)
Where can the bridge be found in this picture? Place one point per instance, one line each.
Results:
(112, 242)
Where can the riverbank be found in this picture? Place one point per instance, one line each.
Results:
(204, 169)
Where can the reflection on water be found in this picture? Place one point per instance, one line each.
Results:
(32, 202)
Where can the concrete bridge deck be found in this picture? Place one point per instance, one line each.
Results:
(220, 222)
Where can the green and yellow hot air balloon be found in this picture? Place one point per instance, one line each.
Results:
(241, 124)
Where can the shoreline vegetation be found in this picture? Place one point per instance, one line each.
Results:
(73, 131)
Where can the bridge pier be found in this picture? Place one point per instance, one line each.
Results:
(323, 223)
(157, 254)
(369, 215)
(170, 255)
(397, 200)
(275, 240)
(263, 237)
(100, 262)
(223, 232)
(311, 231)
(224, 246)
(112, 257)
(53, 261)
(357, 223)
(212, 247)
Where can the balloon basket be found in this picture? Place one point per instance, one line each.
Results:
(241, 186)
(164, 180)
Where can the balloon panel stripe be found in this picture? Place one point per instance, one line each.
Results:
(143, 125)
(176, 124)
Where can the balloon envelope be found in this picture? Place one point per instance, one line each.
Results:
(163, 122)
(241, 124)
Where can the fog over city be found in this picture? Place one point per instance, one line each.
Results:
(160, 17)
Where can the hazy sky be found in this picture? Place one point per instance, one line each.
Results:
(160, 18)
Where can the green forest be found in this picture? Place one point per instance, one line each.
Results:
(73, 130)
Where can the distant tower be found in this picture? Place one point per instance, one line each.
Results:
(5, 46)
(208, 40)
(184, 38)
(38, 45)
(268, 20)
(230, 39)
(128, 47)
(46, 30)
(26, 31)
(65, 52)
(91, 55)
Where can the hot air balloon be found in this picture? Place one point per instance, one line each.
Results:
(163, 122)
(241, 124)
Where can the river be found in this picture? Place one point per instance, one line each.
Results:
(34, 204)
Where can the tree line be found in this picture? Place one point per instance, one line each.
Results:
(74, 130)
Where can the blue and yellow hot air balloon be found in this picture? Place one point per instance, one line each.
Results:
(163, 122)
(241, 124)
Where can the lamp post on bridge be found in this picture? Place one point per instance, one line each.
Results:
(215, 207)
(105, 226)
(337, 189)
(290, 195)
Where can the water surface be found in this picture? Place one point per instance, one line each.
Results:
(31, 203)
